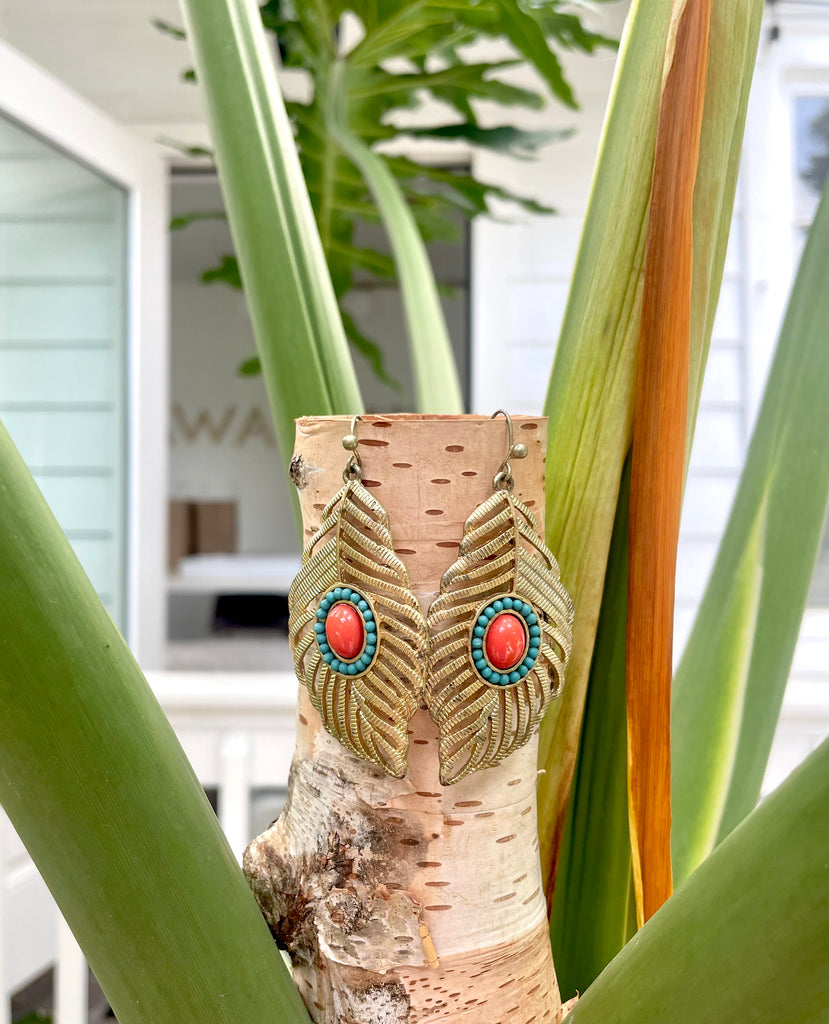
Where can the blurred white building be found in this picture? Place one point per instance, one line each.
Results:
(118, 374)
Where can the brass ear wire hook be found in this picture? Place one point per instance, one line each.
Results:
(503, 481)
(354, 467)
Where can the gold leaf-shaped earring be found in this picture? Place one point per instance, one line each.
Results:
(500, 634)
(356, 630)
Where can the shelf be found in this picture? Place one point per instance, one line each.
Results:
(234, 574)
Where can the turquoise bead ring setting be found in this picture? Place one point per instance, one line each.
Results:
(505, 640)
(346, 631)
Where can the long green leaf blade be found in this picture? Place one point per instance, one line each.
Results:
(299, 335)
(436, 376)
(589, 401)
(745, 937)
(101, 793)
(785, 482)
(593, 913)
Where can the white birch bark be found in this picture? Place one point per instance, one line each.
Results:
(402, 900)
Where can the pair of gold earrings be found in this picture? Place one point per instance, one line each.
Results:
(486, 660)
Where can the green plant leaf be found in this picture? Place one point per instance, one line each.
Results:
(529, 39)
(589, 401)
(300, 338)
(101, 793)
(518, 142)
(185, 220)
(427, 36)
(436, 376)
(167, 28)
(729, 685)
(593, 912)
(745, 937)
(250, 367)
(226, 272)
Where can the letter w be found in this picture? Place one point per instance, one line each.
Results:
(203, 423)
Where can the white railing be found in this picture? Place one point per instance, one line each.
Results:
(238, 731)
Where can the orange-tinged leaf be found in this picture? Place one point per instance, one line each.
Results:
(658, 460)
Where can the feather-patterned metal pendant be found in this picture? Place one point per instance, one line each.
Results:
(500, 634)
(357, 632)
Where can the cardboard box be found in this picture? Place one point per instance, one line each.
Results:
(179, 533)
(214, 527)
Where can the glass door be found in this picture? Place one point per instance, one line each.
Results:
(63, 351)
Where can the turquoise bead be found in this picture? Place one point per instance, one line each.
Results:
(526, 609)
(338, 592)
(477, 641)
(532, 618)
(504, 679)
(363, 605)
(324, 648)
(535, 630)
(355, 598)
(346, 593)
(486, 672)
(498, 606)
(478, 630)
(352, 669)
(368, 616)
(489, 612)
(522, 670)
(371, 627)
(327, 657)
(507, 602)
(319, 627)
(321, 614)
(482, 621)
(514, 677)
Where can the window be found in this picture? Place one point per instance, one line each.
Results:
(811, 154)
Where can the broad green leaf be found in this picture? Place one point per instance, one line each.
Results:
(706, 714)
(528, 38)
(593, 912)
(299, 334)
(100, 791)
(589, 401)
(435, 374)
(745, 937)
(757, 591)
(518, 142)
(466, 80)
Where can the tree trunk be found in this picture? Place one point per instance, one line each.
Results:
(402, 900)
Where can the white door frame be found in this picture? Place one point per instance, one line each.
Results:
(42, 104)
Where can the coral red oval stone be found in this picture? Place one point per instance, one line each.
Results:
(506, 641)
(345, 631)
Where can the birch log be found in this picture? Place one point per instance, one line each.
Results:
(401, 901)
